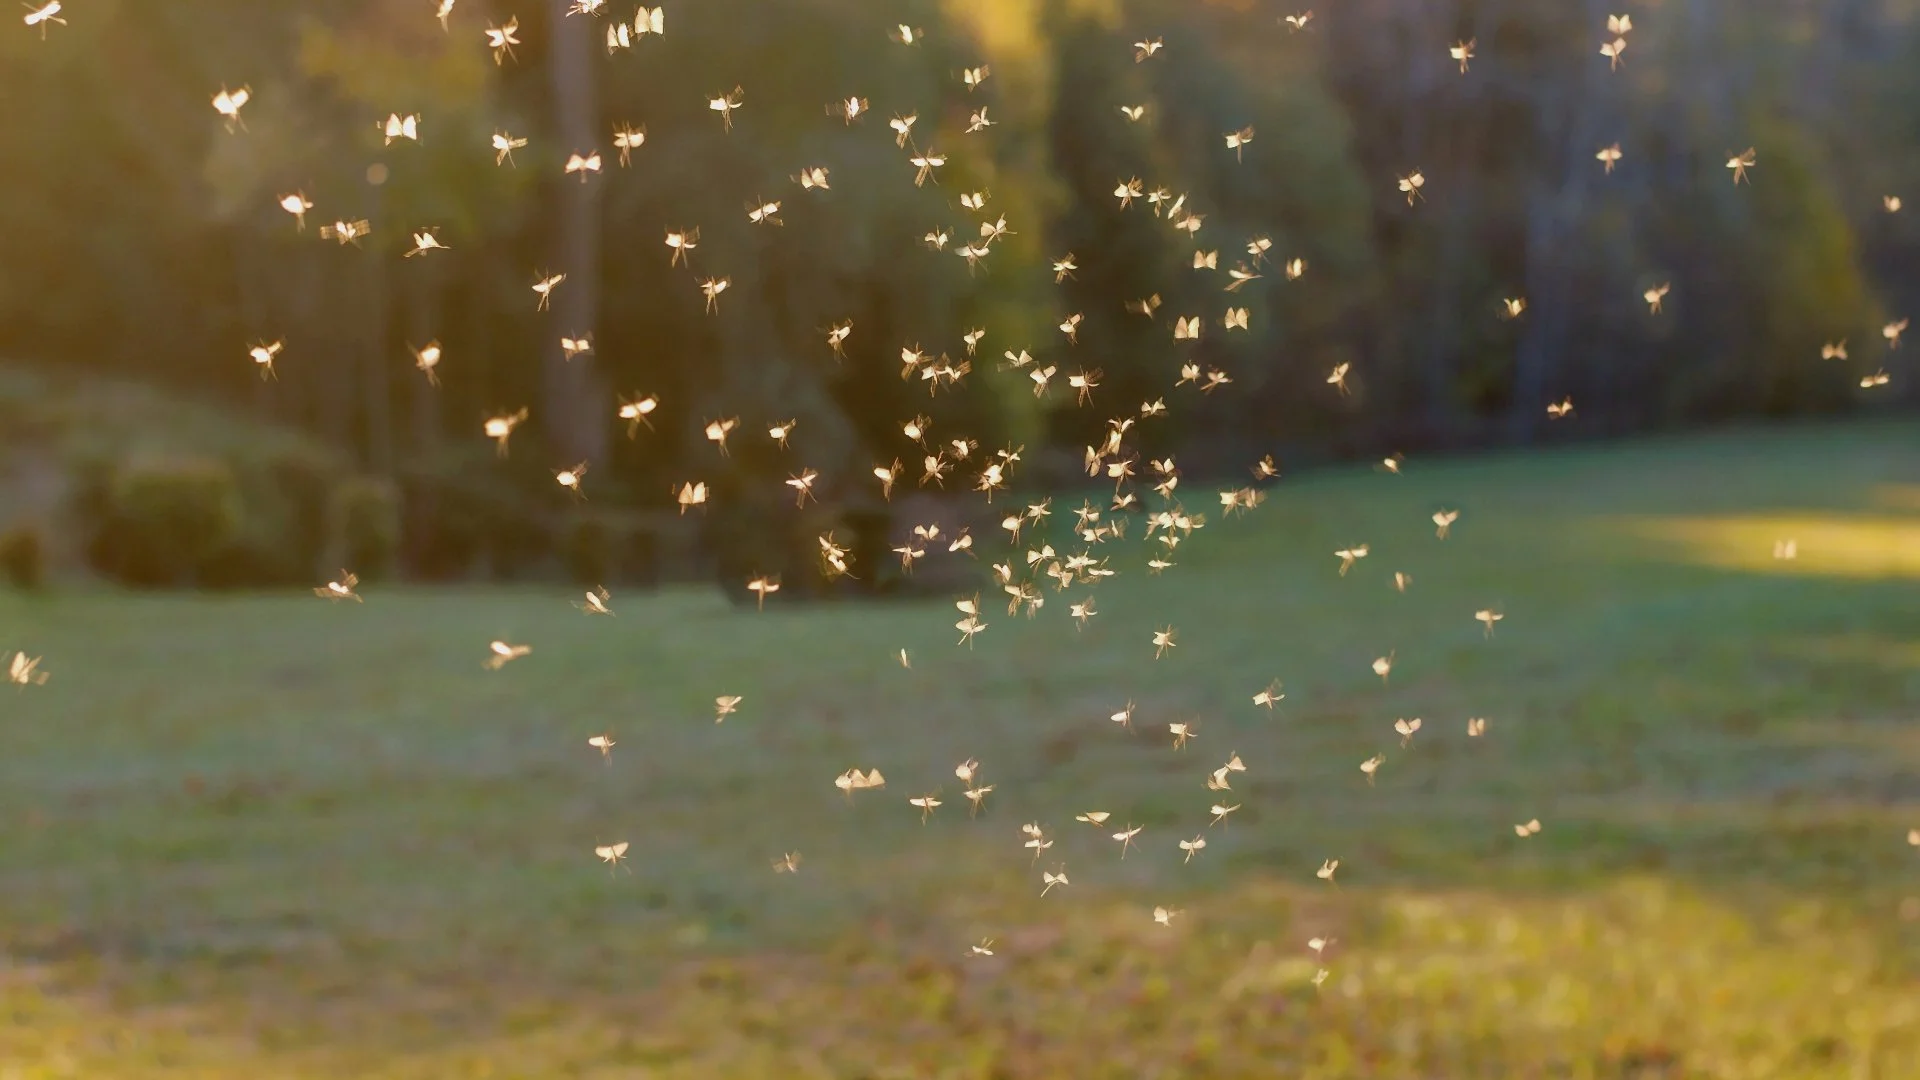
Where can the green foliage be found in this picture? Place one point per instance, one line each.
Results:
(587, 547)
(23, 557)
(462, 517)
(363, 521)
(167, 518)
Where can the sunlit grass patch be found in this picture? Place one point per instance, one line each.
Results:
(1855, 546)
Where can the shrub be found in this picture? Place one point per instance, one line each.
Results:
(23, 557)
(363, 526)
(463, 515)
(586, 545)
(166, 518)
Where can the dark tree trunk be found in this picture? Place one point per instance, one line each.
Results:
(578, 410)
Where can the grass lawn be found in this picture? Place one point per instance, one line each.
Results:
(265, 837)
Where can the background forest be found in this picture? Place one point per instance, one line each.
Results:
(146, 240)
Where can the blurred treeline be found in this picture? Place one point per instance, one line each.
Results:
(144, 239)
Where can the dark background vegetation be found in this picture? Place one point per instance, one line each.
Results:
(144, 243)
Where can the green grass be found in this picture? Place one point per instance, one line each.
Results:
(273, 837)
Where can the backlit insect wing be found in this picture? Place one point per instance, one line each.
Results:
(787, 864)
(1892, 332)
(691, 494)
(227, 103)
(1239, 276)
(619, 36)
(627, 140)
(500, 429)
(1144, 49)
(1513, 307)
(973, 77)
(583, 164)
(1443, 522)
(726, 105)
(401, 127)
(427, 359)
(1619, 24)
(1654, 296)
(424, 241)
(1383, 666)
(443, 11)
(978, 122)
(1350, 555)
(1612, 50)
(849, 110)
(682, 244)
(1560, 410)
(1411, 184)
(1133, 113)
(296, 204)
(1740, 163)
(1833, 351)
(611, 854)
(813, 177)
(837, 337)
(346, 232)
(926, 804)
(925, 163)
(504, 145)
(1052, 879)
(570, 478)
(724, 705)
(1164, 916)
(717, 431)
(602, 743)
(1406, 730)
(543, 287)
(341, 589)
(502, 39)
(764, 213)
(597, 602)
(1327, 869)
(1891, 203)
(1186, 329)
(906, 35)
(711, 288)
(502, 654)
(1162, 641)
(1237, 141)
(44, 15)
(1476, 727)
(1531, 828)
(262, 354)
(1297, 23)
(635, 413)
(587, 7)
(1608, 156)
(1463, 52)
(651, 21)
(1192, 847)
(902, 128)
(985, 948)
